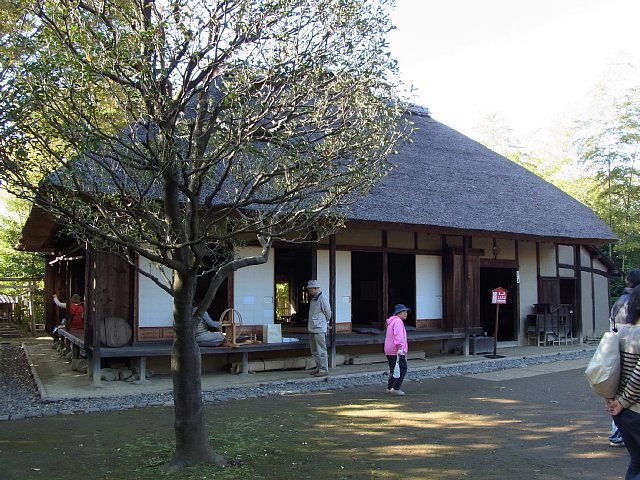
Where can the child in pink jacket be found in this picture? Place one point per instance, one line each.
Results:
(396, 347)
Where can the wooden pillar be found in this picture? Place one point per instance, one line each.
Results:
(465, 289)
(385, 280)
(314, 261)
(91, 336)
(578, 306)
(32, 310)
(332, 300)
(538, 278)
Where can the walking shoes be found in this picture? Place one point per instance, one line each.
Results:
(396, 392)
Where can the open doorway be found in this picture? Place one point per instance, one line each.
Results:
(366, 289)
(292, 271)
(491, 278)
(221, 299)
(402, 283)
(68, 279)
(367, 272)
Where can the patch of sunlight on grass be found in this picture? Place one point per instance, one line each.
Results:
(426, 473)
(533, 438)
(590, 455)
(430, 449)
(502, 401)
(416, 450)
(559, 429)
(393, 416)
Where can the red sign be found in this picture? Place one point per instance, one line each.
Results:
(499, 295)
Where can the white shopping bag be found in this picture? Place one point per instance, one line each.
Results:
(396, 369)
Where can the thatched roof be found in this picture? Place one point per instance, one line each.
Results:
(445, 183)
(449, 183)
(38, 232)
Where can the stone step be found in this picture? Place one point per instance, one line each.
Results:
(7, 331)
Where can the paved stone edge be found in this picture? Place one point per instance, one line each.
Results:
(77, 405)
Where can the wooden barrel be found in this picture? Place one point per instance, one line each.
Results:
(114, 332)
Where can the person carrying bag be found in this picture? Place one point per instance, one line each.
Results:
(603, 371)
(396, 347)
(624, 406)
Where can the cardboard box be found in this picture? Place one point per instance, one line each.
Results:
(272, 333)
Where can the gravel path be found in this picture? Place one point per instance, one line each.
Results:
(19, 396)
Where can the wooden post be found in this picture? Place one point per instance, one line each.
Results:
(332, 299)
(30, 286)
(495, 331)
(498, 296)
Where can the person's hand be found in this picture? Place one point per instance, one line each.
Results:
(55, 296)
(614, 407)
(400, 352)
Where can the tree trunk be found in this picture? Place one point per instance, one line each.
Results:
(192, 446)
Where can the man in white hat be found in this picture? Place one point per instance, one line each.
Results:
(319, 316)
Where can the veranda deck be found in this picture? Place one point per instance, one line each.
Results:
(74, 341)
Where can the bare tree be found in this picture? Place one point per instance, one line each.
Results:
(178, 129)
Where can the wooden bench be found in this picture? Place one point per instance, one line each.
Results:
(72, 340)
(412, 336)
(142, 350)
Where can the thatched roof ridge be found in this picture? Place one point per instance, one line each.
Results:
(448, 181)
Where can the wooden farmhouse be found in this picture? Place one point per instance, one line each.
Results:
(452, 222)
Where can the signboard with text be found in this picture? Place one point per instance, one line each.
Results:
(498, 296)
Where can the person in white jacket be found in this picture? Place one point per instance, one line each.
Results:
(319, 316)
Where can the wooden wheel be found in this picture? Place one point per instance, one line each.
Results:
(229, 327)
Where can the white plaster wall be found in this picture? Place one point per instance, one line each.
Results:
(428, 287)
(253, 289)
(400, 239)
(354, 236)
(586, 305)
(528, 287)
(601, 286)
(585, 257)
(484, 243)
(566, 272)
(431, 242)
(155, 306)
(547, 260)
(565, 254)
(507, 249)
(453, 241)
(343, 282)
(322, 259)
(600, 303)
(598, 265)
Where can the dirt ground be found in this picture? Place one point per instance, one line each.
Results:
(537, 428)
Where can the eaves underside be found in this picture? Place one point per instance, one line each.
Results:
(443, 230)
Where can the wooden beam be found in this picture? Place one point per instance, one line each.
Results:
(332, 299)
